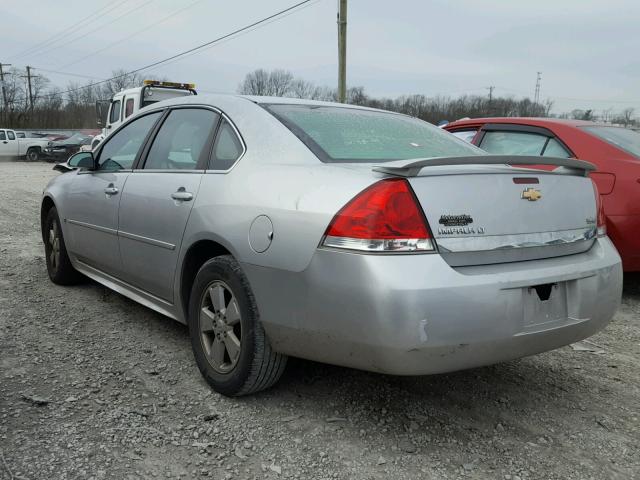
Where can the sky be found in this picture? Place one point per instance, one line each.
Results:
(587, 51)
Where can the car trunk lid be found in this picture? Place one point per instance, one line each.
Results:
(482, 211)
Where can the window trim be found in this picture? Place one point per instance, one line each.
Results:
(215, 142)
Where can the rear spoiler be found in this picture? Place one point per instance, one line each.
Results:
(412, 167)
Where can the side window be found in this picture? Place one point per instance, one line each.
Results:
(128, 107)
(11, 135)
(115, 112)
(121, 148)
(227, 148)
(21, 135)
(181, 140)
(513, 143)
(466, 135)
(2, 135)
(555, 149)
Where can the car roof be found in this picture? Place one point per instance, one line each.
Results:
(222, 99)
(535, 121)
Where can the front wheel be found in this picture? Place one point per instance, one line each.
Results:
(33, 155)
(58, 264)
(229, 344)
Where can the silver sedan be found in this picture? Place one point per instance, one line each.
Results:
(277, 227)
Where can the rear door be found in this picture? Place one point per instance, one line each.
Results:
(158, 197)
(94, 197)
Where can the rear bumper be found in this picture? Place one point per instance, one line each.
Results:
(414, 314)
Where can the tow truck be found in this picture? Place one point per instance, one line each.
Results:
(112, 113)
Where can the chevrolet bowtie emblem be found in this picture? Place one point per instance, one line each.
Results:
(531, 194)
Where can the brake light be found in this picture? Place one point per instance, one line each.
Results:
(385, 217)
(601, 221)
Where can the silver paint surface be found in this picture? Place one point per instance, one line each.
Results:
(467, 305)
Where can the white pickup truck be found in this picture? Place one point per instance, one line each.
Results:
(13, 147)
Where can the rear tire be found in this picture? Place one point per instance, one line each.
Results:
(58, 264)
(33, 154)
(229, 344)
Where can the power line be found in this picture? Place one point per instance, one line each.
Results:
(191, 50)
(249, 30)
(164, 19)
(69, 74)
(56, 36)
(75, 39)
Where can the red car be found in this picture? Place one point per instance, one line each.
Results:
(614, 150)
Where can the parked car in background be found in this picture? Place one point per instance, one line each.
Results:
(12, 146)
(614, 150)
(341, 234)
(61, 150)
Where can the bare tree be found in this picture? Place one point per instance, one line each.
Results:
(627, 116)
(255, 83)
(280, 82)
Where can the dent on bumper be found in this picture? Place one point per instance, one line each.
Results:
(414, 314)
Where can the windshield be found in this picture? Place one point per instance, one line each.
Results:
(623, 138)
(340, 134)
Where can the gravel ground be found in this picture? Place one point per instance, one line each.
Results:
(96, 386)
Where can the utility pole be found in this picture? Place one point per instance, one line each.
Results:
(4, 92)
(342, 52)
(490, 88)
(29, 82)
(536, 97)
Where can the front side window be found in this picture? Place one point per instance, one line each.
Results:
(11, 135)
(121, 148)
(622, 138)
(513, 143)
(2, 135)
(227, 148)
(180, 141)
(115, 112)
(128, 107)
(347, 135)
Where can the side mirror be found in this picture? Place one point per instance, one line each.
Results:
(83, 160)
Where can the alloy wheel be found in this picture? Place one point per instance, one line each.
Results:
(54, 245)
(220, 327)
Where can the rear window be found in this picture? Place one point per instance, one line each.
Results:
(624, 139)
(346, 135)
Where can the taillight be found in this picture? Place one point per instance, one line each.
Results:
(601, 221)
(385, 217)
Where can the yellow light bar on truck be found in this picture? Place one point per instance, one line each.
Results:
(157, 83)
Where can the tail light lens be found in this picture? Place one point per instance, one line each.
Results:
(385, 217)
(600, 218)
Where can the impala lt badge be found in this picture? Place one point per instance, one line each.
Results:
(531, 194)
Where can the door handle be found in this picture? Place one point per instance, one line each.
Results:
(182, 195)
(111, 190)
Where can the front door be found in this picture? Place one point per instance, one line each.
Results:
(158, 198)
(94, 197)
(8, 144)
